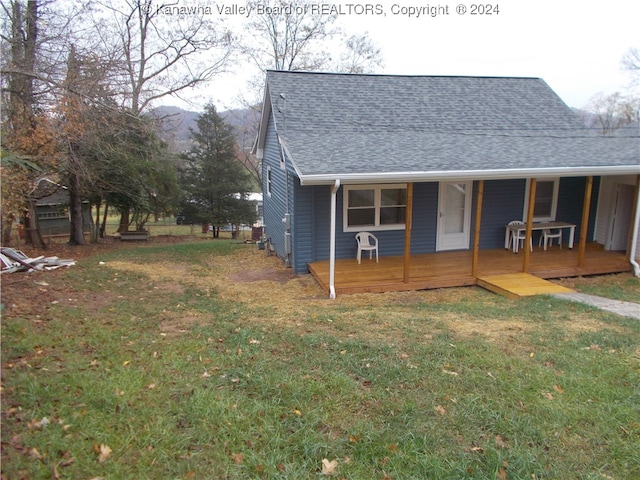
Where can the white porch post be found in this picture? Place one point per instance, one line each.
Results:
(332, 240)
(634, 232)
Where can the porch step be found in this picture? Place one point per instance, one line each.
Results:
(518, 285)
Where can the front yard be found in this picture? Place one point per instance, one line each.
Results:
(210, 360)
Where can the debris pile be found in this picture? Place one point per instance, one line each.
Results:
(13, 260)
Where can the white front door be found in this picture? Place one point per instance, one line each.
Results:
(454, 215)
(621, 218)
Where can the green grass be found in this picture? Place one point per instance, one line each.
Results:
(240, 391)
(617, 287)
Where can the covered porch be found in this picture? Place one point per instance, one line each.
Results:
(467, 263)
(458, 268)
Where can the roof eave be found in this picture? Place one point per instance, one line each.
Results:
(258, 144)
(464, 175)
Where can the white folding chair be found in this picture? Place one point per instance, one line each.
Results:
(518, 237)
(548, 234)
(367, 242)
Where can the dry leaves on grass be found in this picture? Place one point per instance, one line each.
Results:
(501, 442)
(103, 451)
(502, 473)
(38, 424)
(329, 466)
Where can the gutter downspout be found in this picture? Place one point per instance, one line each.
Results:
(634, 238)
(287, 215)
(332, 240)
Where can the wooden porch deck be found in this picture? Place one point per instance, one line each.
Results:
(453, 269)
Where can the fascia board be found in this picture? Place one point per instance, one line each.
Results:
(258, 145)
(464, 175)
(290, 157)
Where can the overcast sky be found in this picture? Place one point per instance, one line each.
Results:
(575, 46)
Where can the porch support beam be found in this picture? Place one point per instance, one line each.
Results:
(635, 225)
(632, 221)
(584, 225)
(476, 234)
(527, 241)
(408, 221)
(332, 240)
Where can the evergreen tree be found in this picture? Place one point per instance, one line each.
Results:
(214, 183)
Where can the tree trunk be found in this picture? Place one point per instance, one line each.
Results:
(7, 225)
(76, 235)
(31, 227)
(95, 234)
(124, 221)
(103, 227)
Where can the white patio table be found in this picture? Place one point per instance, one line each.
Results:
(514, 229)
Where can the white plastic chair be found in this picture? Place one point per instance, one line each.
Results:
(548, 235)
(367, 242)
(518, 237)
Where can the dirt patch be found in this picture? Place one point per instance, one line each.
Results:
(178, 325)
(33, 294)
(157, 272)
(266, 274)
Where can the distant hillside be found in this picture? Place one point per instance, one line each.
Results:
(178, 122)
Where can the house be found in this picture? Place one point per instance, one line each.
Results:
(434, 164)
(51, 202)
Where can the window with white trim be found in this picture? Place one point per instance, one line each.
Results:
(546, 201)
(374, 207)
(269, 180)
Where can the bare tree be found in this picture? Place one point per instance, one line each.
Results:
(246, 131)
(21, 38)
(161, 51)
(361, 55)
(297, 36)
(631, 64)
(287, 36)
(609, 112)
(36, 37)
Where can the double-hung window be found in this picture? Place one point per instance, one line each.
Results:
(546, 201)
(374, 207)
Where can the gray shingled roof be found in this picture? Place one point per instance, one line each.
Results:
(341, 125)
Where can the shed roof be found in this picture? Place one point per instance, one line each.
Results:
(361, 128)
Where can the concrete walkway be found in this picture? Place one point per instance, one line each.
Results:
(626, 309)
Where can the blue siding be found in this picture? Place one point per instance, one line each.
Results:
(345, 241)
(275, 205)
(425, 217)
(570, 203)
(503, 201)
(391, 242)
(286, 196)
(321, 219)
(302, 227)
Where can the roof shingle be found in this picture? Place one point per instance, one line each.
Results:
(343, 124)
